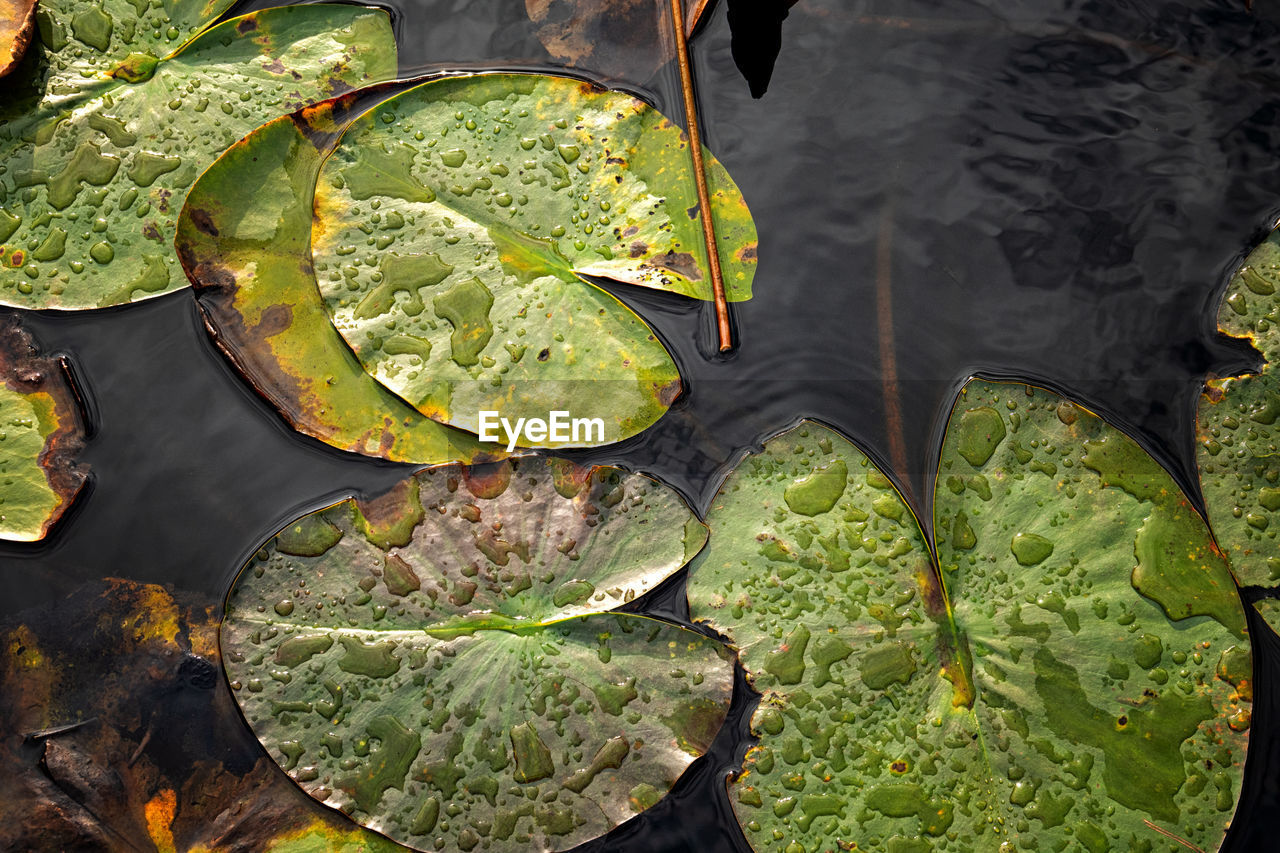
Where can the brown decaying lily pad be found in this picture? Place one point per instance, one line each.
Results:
(120, 735)
(46, 412)
(17, 25)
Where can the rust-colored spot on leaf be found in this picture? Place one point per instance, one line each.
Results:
(274, 320)
(247, 24)
(667, 393)
(679, 262)
(204, 222)
(389, 519)
(487, 481)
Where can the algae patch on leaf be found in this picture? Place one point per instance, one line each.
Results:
(1074, 670)
(442, 662)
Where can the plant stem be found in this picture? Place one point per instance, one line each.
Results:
(700, 176)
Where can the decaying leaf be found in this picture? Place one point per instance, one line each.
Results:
(17, 26)
(101, 138)
(622, 39)
(455, 224)
(440, 663)
(121, 735)
(41, 434)
(248, 257)
(1077, 676)
(1239, 439)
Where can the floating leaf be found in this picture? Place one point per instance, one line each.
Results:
(41, 435)
(454, 223)
(439, 663)
(1239, 439)
(248, 255)
(17, 26)
(622, 39)
(104, 134)
(119, 739)
(1079, 677)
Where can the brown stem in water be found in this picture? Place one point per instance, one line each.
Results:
(700, 176)
(888, 351)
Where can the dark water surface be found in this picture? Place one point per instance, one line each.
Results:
(1050, 190)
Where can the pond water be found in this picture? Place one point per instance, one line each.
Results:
(1053, 190)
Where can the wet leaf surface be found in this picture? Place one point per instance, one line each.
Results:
(248, 256)
(41, 434)
(621, 39)
(1239, 441)
(440, 662)
(454, 226)
(121, 735)
(105, 130)
(17, 26)
(1079, 679)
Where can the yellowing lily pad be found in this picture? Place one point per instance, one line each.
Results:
(247, 255)
(440, 663)
(41, 434)
(101, 137)
(1076, 675)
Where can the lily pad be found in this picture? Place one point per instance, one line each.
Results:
(1076, 676)
(17, 26)
(1239, 438)
(41, 434)
(455, 224)
(248, 256)
(103, 135)
(440, 663)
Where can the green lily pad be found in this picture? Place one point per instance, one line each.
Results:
(1076, 676)
(1239, 439)
(128, 102)
(455, 223)
(247, 254)
(41, 434)
(440, 663)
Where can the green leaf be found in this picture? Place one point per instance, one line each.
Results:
(41, 435)
(1239, 439)
(1076, 676)
(454, 224)
(439, 663)
(127, 104)
(247, 256)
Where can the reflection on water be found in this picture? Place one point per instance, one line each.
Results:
(1052, 190)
